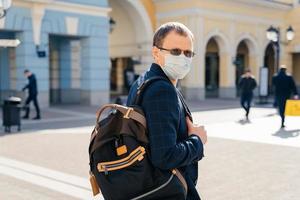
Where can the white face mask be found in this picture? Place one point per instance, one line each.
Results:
(176, 67)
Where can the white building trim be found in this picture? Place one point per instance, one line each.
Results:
(72, 25)
(251, 42)
(144, 22)
(269, 4)
(218, 15)
(65, 7)
(221, 40)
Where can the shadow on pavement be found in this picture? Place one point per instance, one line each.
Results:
(244, 121)
(271, 114)
(29, 128)
(282, 133)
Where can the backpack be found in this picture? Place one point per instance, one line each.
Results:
(119, 157)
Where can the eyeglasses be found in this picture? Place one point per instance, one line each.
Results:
(177, 52)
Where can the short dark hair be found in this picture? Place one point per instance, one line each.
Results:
(162, 32)
(26, 71)
(283, 69)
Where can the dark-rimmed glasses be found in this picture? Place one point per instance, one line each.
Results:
(177, 52)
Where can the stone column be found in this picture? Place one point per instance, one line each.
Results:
(193, 85)
(227, 76)
(94, 72)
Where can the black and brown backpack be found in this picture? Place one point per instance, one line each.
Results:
(119, 157)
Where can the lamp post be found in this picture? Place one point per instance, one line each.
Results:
(273, 34)
(4, 6)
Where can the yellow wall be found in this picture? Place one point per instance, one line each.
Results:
(150, 7)
(293, 19)
(229, 22)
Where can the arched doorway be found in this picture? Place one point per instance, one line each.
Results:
(212, 65)
(241, 62)
(269, 62)
(129, 43)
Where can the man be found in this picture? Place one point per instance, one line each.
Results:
(175, 142)
(247, 84)
(32, 95)
(284, 85)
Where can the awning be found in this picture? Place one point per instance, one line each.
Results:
(9, 43)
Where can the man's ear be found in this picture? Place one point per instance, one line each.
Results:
(155, 53)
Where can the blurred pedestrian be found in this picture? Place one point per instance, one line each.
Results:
(247, 84)
(284, 86)
(129, 76)
(32, 95)
(119, 101)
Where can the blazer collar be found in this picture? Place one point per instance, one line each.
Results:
(157, 71)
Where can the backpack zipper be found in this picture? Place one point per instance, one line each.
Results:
(155, 190)
(136, 155)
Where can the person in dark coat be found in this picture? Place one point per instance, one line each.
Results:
(247, 84)
(175, 142)
(32, 95)
(284, 86)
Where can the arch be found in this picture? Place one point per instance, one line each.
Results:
(129, 43)
(250, 42)
(226, 68)
(220, 38)
(139, 16)
(212, 68)
(253, 57)
(145, 19)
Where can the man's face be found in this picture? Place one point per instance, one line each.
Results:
(172, 41)
(26, 74)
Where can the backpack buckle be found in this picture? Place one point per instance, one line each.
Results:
(126, 116)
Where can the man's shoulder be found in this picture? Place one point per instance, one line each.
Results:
(159, 87)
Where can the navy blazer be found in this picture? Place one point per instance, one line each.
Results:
(170, 145)
(284, 85)
(31, 86)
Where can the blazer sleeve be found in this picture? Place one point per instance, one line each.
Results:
(160, 104)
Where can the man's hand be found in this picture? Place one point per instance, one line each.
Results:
(196, 130)
(296, 97)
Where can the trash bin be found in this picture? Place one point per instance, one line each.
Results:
(11, 113)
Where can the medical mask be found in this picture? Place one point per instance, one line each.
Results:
(176, 67)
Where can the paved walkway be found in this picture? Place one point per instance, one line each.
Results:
(243, 160)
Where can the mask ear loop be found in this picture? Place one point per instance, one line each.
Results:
(164, 58)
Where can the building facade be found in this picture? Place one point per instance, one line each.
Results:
(229, 37)
(72, 35)
(91, 45)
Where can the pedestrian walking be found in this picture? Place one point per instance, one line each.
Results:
(247, 84)
(284, 86)
(175, 142)
(32, 95)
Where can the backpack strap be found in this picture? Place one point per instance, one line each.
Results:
(186, 108)
(128, 113)
(144, 86)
